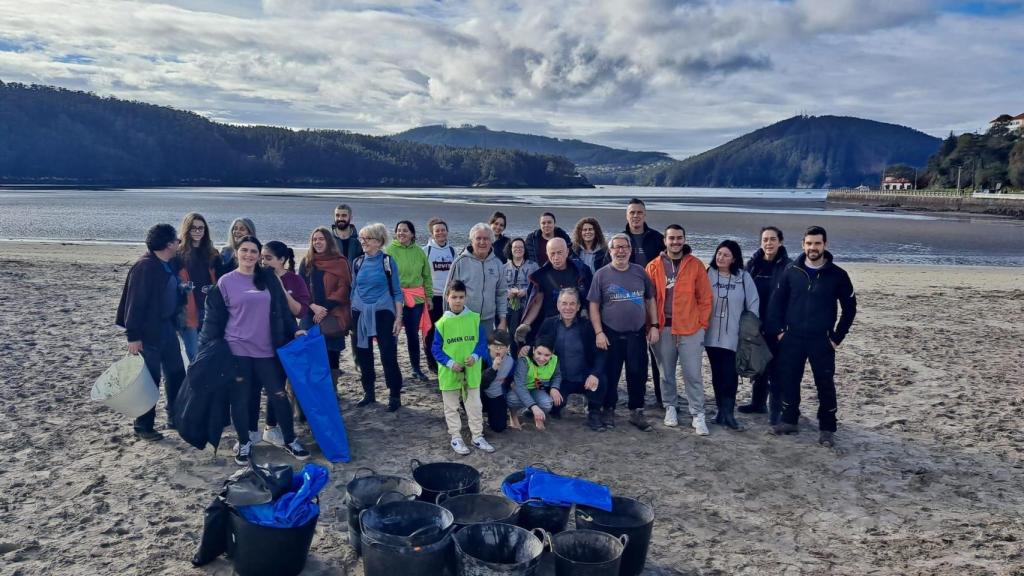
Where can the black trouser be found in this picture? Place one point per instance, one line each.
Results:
(594, 397)
(764, 389)
(388, 345)
(251, 375)
(794, 352)
(164, 356)
(411, 323)
(724, 378)
(629, 349)
(655, 374)
(436, 311)
(496, 410)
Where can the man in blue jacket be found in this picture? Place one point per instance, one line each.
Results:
(802, 317)
(147, 312)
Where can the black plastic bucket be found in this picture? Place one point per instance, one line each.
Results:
(536, 514)
(265, 551)
(587, 553)
(628, 516)
(449, 478)
(476, 508)
(363, 492)
(406, 523)
(382, 559)
(492, 548)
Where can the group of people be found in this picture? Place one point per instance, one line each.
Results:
(512, 327)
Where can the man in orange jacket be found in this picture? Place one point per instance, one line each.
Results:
(683, 299)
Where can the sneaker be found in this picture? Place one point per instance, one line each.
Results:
(366, 401)
(671, 417)
(149, 435)
(242, 453)
(827, 439)
(784, 428)
(296, 450)
(273, 436)
(594, 421)
(394, 403)
(482, 444)
(608, 418)
(418, 374)
(636, 418)
(459, 446)
(700, 425)
(255, 437)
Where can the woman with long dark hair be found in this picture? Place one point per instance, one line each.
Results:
(588, 243)
(277, 256)
(732, 291)
(198, 272)
(329, 278)
(249, 310)
(414, 276)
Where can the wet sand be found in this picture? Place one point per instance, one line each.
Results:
(925, 479)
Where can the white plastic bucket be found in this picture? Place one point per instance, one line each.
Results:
(127, 387)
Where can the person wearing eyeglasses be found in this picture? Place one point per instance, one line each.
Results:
(732, 290)
(625, 320)
(377, 305)
(147, 312)
(199, 262)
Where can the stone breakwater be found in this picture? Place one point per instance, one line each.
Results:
(997, 204)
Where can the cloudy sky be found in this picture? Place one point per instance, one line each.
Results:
(679, 76)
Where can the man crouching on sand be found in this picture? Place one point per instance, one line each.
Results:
(147, 312)
(802, 315)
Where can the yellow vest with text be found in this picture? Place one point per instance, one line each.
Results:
(459, 336)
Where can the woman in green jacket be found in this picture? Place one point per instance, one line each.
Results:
(415, 278)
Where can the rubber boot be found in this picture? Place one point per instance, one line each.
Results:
(758, 397)
(728, 417)
(719, 412)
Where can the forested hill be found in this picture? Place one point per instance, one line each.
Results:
(53, 135)
(601, 164)
(993, 160)
(802, 152)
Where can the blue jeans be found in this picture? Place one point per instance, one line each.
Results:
(190, 339)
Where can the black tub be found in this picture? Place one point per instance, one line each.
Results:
(406, 523)
(587, 553)
(495, 549)
(476, 508)
(536, 514)
(627, 516)
(266, 551)
(449, 478)
(363, 492)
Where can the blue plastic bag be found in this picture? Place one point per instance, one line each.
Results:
(564, 491)
(519, 492)
(305, 361)
(294, 508)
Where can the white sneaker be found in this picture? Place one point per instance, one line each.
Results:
(242, 452)
(255, 437)
(273, 436)
(671, 418)
(700, 426)
(482, 444)
(459, 446)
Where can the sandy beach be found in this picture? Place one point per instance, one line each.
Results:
(925, 478)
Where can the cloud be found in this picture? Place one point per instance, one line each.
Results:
(607, 69)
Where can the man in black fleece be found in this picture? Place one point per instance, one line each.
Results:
(802, 317)
(147, 312)
(766, 267)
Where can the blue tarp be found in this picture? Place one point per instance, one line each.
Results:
(305, 362)
(294, 508)
(556, 490)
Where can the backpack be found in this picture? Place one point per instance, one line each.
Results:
(752, 352)
(358, 263)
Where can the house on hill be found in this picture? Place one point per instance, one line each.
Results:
(894, 183)
(1012, 123)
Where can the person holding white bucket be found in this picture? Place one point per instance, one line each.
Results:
(148, 313)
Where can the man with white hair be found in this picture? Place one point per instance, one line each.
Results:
(484, 276)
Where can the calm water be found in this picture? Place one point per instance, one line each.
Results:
(122, 216)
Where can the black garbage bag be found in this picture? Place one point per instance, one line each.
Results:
(216, 525)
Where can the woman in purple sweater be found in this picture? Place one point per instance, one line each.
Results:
(249, 310)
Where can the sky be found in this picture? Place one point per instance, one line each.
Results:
(678, 76)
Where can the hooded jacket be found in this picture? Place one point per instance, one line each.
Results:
(141, 307)
(807, 307)
(355, 249)
(535, 249)
(413, 268)
(486, 291)
(652, 242)
(691, 297)
(729, 298)
(767, 274)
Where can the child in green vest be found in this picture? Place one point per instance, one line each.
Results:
(460, 343)
(535, 375)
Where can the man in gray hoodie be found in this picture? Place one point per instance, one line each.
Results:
(484, 276)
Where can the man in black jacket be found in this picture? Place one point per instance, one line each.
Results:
(147, 312)
(647, 244)
(766, 267)
(802, 317)
(537, 241)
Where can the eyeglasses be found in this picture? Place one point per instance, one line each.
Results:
(365, 239)
(197, 228)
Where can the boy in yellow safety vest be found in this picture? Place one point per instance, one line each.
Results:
(460, 343)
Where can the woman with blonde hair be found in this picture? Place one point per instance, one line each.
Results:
(240, 228)
(588, 243)
(329, 278)
(198, 261)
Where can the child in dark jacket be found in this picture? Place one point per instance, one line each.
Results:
(497, 379)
